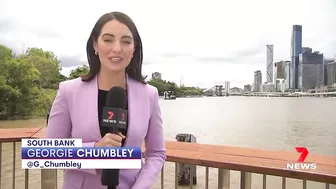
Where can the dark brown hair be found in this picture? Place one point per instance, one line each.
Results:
(133, 70)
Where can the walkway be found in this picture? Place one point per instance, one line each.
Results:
(224, 158)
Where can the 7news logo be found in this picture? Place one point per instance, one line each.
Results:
(111, 115)
(301, 164)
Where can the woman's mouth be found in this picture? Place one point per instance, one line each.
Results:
(116, 59)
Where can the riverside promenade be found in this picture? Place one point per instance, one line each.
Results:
(224, 158)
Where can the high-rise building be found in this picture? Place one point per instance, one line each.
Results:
(269, 63)
(295, 51)
(287, 74)
(332, 73)
(325, 70)
(227, 86)
(280, 69)
(257, 81)
(310, 70)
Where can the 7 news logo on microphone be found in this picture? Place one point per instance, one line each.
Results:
(109, 116)
(114, 117)
(301, 160)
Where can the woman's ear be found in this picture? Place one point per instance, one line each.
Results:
(95, 46)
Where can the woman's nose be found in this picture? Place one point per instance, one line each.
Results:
(116, 47)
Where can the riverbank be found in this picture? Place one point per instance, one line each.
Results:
(287, 95)
(24, 123)
(17, 118)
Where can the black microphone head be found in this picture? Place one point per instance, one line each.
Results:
(116, 98)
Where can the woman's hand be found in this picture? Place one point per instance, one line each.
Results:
(110, 140)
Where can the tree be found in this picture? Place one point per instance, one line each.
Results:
(163, 85)
(47, 64)
(81, 70)
(7, 92)
(19, 87)
(29, 82)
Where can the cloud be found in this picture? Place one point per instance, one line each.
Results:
(233, 57)
(44, 33)
(236, 57)
(173, 54)
(7, 25)
(71, 61)
(10, 25)
(208, 44)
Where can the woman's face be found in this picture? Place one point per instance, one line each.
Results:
(115, 46)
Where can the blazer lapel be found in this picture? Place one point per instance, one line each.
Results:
(92, 93)
(138, 113)
(132, 109)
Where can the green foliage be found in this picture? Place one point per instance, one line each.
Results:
(81, 70)
(47, 64)
(43, 101)
(29, 82)
(163, 85)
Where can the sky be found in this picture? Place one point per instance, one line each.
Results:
(199, 43)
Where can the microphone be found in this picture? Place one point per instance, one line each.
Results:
(114, 118)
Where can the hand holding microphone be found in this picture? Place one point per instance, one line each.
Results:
(110, 140)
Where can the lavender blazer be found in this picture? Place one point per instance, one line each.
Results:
(74, 114)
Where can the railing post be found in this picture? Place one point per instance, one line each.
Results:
(283, 182)
(264, 181)
(206, 177)
(26, 178)
(14, 163)
(246, 180)
(223, 179)
(49, 178)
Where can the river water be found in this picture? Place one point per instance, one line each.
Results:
(255, 122)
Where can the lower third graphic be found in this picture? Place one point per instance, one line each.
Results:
(51, 164)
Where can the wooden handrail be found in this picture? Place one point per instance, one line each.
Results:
(15, 135)
(225, 157)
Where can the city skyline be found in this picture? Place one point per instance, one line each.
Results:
(306, 70)
(176, 45)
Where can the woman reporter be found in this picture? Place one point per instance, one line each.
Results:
(114, 53)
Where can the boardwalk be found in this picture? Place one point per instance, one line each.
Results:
(224, 158)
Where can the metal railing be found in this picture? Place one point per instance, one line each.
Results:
(209, 156)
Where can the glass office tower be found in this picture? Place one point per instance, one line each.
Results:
(296, 47)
